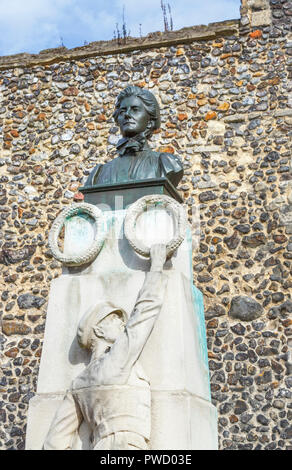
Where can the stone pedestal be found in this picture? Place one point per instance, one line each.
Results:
(119, 196)
(174, 358)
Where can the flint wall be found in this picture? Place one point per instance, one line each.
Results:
(225, 96)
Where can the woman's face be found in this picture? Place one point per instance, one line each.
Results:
(133, 117)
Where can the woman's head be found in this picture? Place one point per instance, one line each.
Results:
(149, 103)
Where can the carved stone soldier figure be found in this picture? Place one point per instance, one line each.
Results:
(113, 393)
(137, 114)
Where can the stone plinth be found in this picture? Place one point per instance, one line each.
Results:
(174, 358)
(119, 196)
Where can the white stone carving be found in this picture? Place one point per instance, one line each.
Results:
(160, 202)
(113, 393)
(90, 253)
(174, 357)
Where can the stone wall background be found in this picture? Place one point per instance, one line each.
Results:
(226, 108)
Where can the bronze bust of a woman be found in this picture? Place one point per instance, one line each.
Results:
(137, 115)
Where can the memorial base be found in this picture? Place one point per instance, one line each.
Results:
(180, 421)
(174, 357)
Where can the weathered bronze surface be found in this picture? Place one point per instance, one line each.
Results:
(137, 115)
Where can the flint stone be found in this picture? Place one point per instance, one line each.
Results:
(68, 194)
(67, 136)
(245, 308)
(235, 118)
(75, 148)
(8, 256)
(286, 306)
(254, 240)
(244, 20)
(238, 329)
(283, 112)
(61, 85)
(26, 301)
(240, 407)
(39, 157)
(14, 328)
(113, 139)
(55, 139)
(214, 311)
(207, 196)
(278, 297)
(243, 228)
(232, 242)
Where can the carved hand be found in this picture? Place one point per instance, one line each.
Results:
(157, 256)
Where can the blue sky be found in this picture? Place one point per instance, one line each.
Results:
(33, 25)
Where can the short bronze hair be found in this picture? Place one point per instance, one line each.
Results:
(148, 99)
